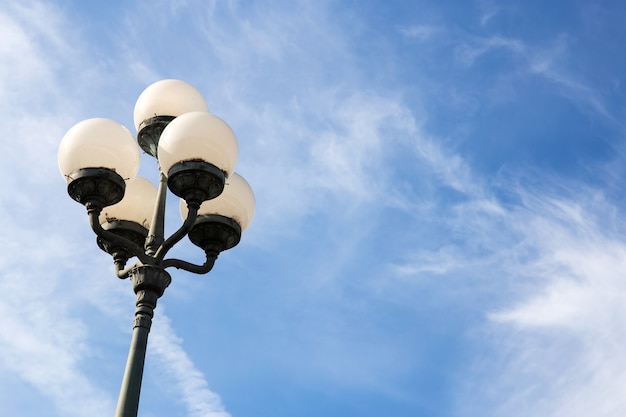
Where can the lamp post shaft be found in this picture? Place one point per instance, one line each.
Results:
(149, 282)
(128, 402)
(157, 225)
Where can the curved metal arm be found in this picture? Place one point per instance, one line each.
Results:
(180, 233)
(193, 268)
(124, 273)
(135, 249)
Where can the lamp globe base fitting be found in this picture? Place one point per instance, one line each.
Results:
(126, 229)
(97, 186)
(195, 181)
(150, 131)
(215, 233)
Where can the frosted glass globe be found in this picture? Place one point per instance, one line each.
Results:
(236, 202)
(198, 136)
(136, 206)
(168, 98)
(98, 143)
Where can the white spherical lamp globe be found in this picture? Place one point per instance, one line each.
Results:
(168, 98)
(236, 202)
(198, 136)
(136, 206)
(98, 143)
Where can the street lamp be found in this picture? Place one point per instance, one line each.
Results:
(196, 154)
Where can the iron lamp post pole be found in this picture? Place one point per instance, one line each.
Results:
(196, 155)
(149, 282)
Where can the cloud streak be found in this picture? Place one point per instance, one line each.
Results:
(565, 336)
(194, 391)
(559, 326)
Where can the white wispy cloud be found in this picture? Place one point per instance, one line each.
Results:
(194, 391)
(549, 60)
(43, 340)
(564, 336)
(556, 250)
(488, 14)
(468, 52)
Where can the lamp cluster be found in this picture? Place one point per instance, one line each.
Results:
(196, 152)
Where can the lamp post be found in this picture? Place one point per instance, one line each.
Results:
(196, 154)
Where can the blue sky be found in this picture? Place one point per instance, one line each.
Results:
(439, 226)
